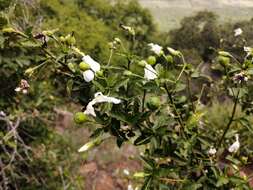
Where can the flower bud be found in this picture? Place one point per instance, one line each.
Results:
(142, 63)
(223, 60)
(169, 58)
(62, 39)
(173, 52)
(151, 60)
(80, 117)
(224, 54)
(84, 66)
(99, 73)
(127, 73)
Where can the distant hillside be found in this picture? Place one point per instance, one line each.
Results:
(168, 13)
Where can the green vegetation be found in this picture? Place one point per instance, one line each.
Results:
(187, 103)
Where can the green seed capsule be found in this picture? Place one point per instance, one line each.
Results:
(223, 60)
(153, 103)
(151, 60)
(99, 73)
(80, 117)
(169, 58)
(142, 63)
(84, 66)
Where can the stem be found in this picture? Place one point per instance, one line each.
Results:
(179, 117)
(231, 119)
(190, 92)
(183, 69)
(110, 57)
(143, 99)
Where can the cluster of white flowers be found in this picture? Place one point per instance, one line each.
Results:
(99, 98)
(235, 146)
(89, 74)
(212, 151)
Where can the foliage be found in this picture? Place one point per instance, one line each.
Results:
(160, 112)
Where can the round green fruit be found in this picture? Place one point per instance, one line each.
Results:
(99, 73)
(223, 60)
(151, 60)
(153, 103)
(71, 40)
(80, 117)
(169, 58)
(84, 66)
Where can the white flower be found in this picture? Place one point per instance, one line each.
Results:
(86, 147)
(248, 50)
(99, 98)
(94, 67)
(212, 151)
(130, 187)
(23, 87)
(238, 32)
(235, 146)
(126, 172)
(155, 48)
(88, 75)
(149, 72)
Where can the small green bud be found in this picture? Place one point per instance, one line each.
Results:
(173, 52)
(142, 63)
(153, 103)
(127, 73)
(62, 39)
(224, 54)
(223, 60)
(99, 73)
(80, 117)
(151, 60)
(84, 66)
(169, 58)
(71, 66)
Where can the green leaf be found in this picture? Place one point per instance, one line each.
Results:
(147, 183)
(69, 86)
(98, 86)
(143, 139)
(223, 180)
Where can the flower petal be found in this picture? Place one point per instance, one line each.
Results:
(149, 72)
(155, 48)
(238, 32)
(99, 98)
(95, 66)
(88, 75)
